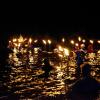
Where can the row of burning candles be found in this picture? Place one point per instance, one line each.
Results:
(21, 40)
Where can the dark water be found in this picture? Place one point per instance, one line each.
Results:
(22, 81)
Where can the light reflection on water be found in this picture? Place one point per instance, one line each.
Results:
(24, 80)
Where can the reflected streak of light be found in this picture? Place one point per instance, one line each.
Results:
(66, 51)
(30, 40)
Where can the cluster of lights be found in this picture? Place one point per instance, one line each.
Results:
(45, 42)
(83, 41)
(62, 52)
(17, 42)
(80, 40)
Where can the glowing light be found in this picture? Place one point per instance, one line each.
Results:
(10, 56)
(98, 41)
(60, 48)
(35, 41)
(72, 42)
(15, 50)
(66, 52)
(26, 45)
(83, 40)
(63, 40)
(36, 50)
(76, 44)
(93, 73)
(30, 40)
(60, 55)
(25, 39)
(24, 51)
(49, 41)
(44, 42)
(79, 38)
(60, 74)
(82, 45)
(9, 42)
(98, 51)
(91, 41)
(20, 39)
(16, 44)
(19, 45)
(14, 40)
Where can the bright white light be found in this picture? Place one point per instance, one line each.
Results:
(14, 40)
(98, 51)
(44, 42)
(76, 44)
(30, 40)
(9, 41)
(83, 40)
(91, 41)
(36, 50)
(60, 55)
(63, 40)
(66, 52)
(60, 48)
(49, 41)
(98, 41)
(79, 38)
(72, 42)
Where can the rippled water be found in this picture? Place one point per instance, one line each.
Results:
(24, 81)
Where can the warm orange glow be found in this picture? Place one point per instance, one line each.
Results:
(82, 45)
(35, 41)
(76, 44)
(9, 41)
(66, 52)
(91, 41)
(60, 48)
(49, 41)
(83, 40)
(79, 38)
(14, 40)
(72, 42)
(44, 41)
(19, 45)
(98, 41)
(20, 39)
(30, 40)
(63, 40)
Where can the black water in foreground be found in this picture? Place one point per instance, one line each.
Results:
(20, 81)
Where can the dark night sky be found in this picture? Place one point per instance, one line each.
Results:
(89, 25)
(63, 19)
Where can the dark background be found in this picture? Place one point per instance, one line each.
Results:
(51, 18)
(89, 27)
